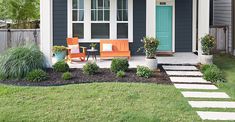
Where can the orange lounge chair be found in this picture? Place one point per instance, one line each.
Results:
(120, 48)
(74, 50)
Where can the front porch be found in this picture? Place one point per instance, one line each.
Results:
(176, 59)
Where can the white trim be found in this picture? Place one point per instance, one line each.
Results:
(203, 21)
(46, 30)
(151, 18)
(113, 21)
(194, 23)
(169, 3)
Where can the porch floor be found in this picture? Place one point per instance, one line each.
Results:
(177, 59)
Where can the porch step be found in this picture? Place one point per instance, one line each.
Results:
(221, 95)
(188, 80)
(180, 68)
(212, 104)
(225, 116)
(185, 73)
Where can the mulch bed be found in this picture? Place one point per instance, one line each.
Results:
(104, 75)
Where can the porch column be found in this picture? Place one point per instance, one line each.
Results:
(203, 22)
(150, 18)
(46, 30)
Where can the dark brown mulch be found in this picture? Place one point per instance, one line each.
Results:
(104, 75)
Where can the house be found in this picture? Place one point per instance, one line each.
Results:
(176, 23)
(222, 13)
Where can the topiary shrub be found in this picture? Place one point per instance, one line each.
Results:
(17, 62)
(61, 66)
(90, 68)
(119, 64)
(205, 67)
(214, 74)
(144, 72)
(67, 76)
(121, 74)
(37, 75)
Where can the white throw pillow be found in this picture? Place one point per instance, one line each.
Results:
(74, 49)
(107, 47)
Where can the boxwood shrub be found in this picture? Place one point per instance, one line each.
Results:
(61, 66)
(119, 64)
(90, 68)
(67, 76)
(121, 74)
(143, 71)
(37, 75)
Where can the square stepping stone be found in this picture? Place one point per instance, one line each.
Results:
(184, 73)
(179, 68)
(212, 104)
(188, 80)
(205, 95)
(229, 116)
(195, 86)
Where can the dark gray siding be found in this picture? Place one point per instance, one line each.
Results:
(183, 25)
(139, 21)
(59, 22)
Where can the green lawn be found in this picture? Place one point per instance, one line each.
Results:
(95, 102)
(227, 65)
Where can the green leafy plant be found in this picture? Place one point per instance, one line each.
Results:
(17, 62)
(208, 43)
(119, 64)
(90, 68)
(205, 67)
(37, 75)
(57, 49)
(214, 74)
(61, 66)
(121, 74)
(67, 76)
(143, 71)
(150, 47)
(93, 45)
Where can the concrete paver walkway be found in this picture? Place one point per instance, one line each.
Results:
(189, 78)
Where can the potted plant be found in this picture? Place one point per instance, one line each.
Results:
(208, 43)
(93, 46)
(150, 47)
(60, 52)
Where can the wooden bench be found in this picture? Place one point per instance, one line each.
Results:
(120, 48)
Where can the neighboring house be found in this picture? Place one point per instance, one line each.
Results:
(222, 14)
(176, 23)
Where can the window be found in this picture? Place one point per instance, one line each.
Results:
(78, 18)
(100, 17)
(122, 19)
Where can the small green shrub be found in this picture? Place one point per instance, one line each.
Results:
(205, 67)
(214, 74)
(119, 64)
(17, 62)
(144, 72)
(208, 43)
(37, 75)
(67, 76)
(121, 74)
(90, 68)
(61, 66)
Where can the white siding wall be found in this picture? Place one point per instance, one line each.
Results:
(222, 16)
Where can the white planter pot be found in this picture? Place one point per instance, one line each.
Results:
(206, 59)
(151, 63)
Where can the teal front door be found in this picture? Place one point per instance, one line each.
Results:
(164, 27)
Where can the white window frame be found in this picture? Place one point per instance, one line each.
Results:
(112, 23)
(78, 21)
(123, 22)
